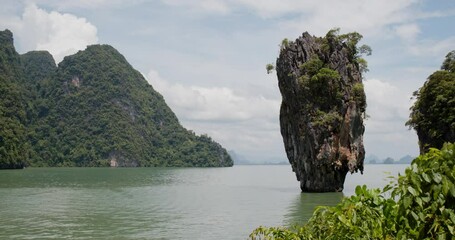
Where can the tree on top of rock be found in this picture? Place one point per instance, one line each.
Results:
(433, 113)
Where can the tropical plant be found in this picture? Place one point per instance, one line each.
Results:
(419, 205)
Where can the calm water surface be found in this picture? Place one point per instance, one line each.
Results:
(160, 203)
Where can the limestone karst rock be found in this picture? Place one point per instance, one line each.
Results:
(92, 110)
(322, 110)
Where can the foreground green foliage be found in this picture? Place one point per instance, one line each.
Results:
(93, 110)
(433, 113)
(420, 205)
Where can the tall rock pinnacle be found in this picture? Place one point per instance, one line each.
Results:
(322, 110)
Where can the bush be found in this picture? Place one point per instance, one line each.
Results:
(426, 196)
(359, 96)
(269, 67)
(421, 206)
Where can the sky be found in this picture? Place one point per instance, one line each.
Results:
(207, 57)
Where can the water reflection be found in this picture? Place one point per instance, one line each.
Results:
(302, 207)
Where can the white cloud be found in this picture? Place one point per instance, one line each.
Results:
(86, 4)
(213, 103)
(60, 34)
(76, 3)
(386, 101)
(210, 6)
(316, 16)
(273, 8)
(432, 48)
(408, 32)
(247, 124)
(366, 17)
(388, 110)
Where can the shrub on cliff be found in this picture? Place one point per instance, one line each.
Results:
(421, 206)
(433, 113)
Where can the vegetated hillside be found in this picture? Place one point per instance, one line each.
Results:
(96, 110)
(13, 146)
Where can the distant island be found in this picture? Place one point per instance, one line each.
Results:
(241, 160)
(372, 159)
(93, 110)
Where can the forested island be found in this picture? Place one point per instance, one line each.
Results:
(93, 109)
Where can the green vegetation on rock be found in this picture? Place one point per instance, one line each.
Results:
(419, 205)
(321, 83)
(14, 149)
(433, 113)
(359, 96)
(285, 43)
(93, 110)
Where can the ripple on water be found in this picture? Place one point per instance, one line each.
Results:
(153, 203)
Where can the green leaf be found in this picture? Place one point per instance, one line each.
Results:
(342, 219)
(407, 202)
(426, 178)
(358, 190)
(445, 186)
(452, 190)
(412, 191)
(419, 201)
(441, 237)
(452, 217)
(437, 177)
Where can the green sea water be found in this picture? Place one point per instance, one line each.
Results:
(160, 203)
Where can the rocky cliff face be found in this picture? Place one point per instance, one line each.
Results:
(322, 109)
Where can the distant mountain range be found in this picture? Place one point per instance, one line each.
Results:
(241, 160)
(370, 159)
(373, 159)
